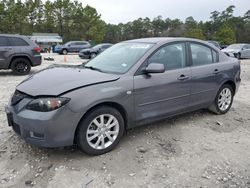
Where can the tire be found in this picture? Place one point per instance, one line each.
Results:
(238, 55)
(64, 52)
(93, 55)
(97, 135)
(217, 106)
(20, 66)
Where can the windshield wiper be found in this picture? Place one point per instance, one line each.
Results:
(93, 68)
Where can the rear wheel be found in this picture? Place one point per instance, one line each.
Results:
(100, 131)
(20, 66)
(223, 100)
(64, 52)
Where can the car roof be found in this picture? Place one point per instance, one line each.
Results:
(156, 40)
(239, 44)
(78, 41)
(104, 44)
(12, 35)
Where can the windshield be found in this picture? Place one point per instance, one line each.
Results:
(120, 57)
(97, 46)
(66, 44)
(235, 46)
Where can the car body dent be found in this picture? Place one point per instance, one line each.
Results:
(111, 92)
(76, 77)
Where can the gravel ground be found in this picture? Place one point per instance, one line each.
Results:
(197, 149)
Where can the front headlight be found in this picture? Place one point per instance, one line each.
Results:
(47, 104)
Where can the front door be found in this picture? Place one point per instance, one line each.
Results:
(167, 93)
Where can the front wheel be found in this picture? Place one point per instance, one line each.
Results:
(93, 55)
(238, 55)
(223, 100)
(100, 131)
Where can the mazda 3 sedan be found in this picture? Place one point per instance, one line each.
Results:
(132, 83)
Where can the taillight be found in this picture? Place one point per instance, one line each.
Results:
(37, 49)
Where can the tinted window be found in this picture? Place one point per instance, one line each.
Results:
(201, 55)
(247, 47)
(14, 41)
(106, 46)
(4, 41)
(171, 56)
(80, 43)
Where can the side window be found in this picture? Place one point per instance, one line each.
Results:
(106, 46)
(202, 55)
(248, 47)
(14, 41)
(81, 43)
(4, 41)
(215, 56)
(172, 56)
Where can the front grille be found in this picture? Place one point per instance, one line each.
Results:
(17, 97)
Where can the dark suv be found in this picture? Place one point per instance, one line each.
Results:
(18, 53)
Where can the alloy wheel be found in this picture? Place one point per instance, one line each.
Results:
(21, 67)
(225, 99)
(102, 131)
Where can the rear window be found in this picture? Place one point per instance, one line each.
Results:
(4, 41)
(14, 41)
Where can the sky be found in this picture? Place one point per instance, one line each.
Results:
(123, 11)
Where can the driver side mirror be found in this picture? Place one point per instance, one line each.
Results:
(154, 68)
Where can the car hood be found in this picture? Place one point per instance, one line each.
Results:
(231, 50)
(57, 80)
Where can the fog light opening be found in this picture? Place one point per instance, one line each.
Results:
(36, 135)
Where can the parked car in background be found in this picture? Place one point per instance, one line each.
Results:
(72, 46)
(90, 53)
(238, 51)
(18, 53)
(215, 43)
(46, 41)
(223, 46)
(130, 84)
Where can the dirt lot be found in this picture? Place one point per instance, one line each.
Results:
(198, 149)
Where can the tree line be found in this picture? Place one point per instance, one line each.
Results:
(73, 21)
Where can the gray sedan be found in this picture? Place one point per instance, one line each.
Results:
(132, 83)
(240, 51)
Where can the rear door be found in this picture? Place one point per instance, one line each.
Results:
(19, 45)
(205, 71)
(5, 52)
(163, 93)
(82, 45)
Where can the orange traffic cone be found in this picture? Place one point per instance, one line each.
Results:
(65, 58)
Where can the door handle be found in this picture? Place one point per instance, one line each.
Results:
(183, 77)
(216, 71)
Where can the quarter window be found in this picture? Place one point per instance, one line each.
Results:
(14, 41)
(4, 41)
(202, 55)
(172, 56)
